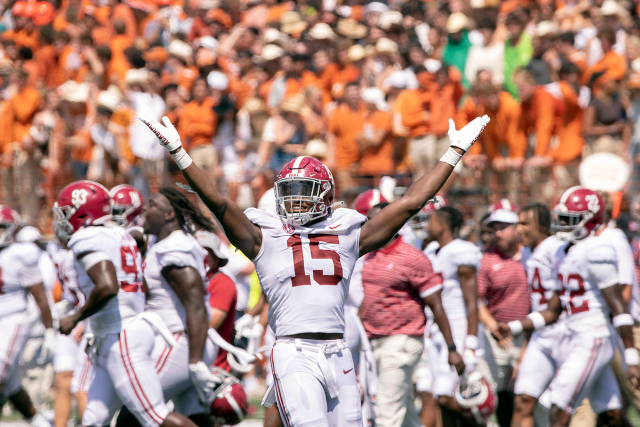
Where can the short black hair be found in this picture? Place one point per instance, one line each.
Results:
(452, 217)
(541, 216)
(569, 68)
(567, 37)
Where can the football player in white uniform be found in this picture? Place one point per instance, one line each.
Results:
(587, 277)
(109, 270)
(70, 362)
(126, 208)
(175, 275)
(304, 257)
(542, 358)
(457, 261)
(19, 276)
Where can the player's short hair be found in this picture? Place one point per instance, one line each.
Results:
(452, 217)
(541, 216)
(187, 214)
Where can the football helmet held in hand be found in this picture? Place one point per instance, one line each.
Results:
(228, 404)
(477, 397)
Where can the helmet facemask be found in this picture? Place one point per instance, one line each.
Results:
(418, 224)
(570, 226)
(294, 194)
(62, 228)
(7, 232)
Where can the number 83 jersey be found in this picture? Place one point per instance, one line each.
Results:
(305, 271)
(97, 243)
(583, 270)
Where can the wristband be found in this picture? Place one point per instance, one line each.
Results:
(471, 342)
(623, 319)
(182, 159)
(451, 157)
(516, 327)
(451, 347)
(631, 356)
(537, 319)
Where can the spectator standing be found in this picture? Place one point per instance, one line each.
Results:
(376, 138)
(517, 51)
(458, 44)
(398, 282)
(488, 56)
(222, 293)
(502, 283)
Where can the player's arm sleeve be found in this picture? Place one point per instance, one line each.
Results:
(423, 278)
(626, 268)
(92, 258)
(470, 256)
(176, 259)
(604, 266)
(30, 274)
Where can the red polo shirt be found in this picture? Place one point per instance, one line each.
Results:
(223, 296)
(395, 279)
(503, 282)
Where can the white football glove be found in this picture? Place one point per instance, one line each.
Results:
(465, 137)
(470, 360)
(167, 134)
(203, 380)
(48, 344)
(243, 323)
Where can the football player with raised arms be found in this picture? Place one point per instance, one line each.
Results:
(19, 276)
(587, 275)
(304, 258)
(109, 268)
(541, 359)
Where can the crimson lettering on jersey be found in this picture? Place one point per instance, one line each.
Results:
(301, 278)
(540, 273)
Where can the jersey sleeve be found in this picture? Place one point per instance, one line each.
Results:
(29, 274)
(469, 255)
(603, 262)
(93, 239)
(176, 252)
(263, 219)
(624, 254)
(422, 277)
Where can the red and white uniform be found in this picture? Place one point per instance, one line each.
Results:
(446, 262)
(172, 364)
(583, 270)
(304, 272)
(69, 354)
(544, 353)
(124, 373)
(18, 271)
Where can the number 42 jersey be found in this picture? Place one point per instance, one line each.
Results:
(305, 271)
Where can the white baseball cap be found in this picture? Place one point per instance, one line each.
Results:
(502, 215)
(210, 241)
(373, 95)
(217, 80)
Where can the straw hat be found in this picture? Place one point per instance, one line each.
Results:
(321, 31)
(291, 22)
(457, 22)
(136, 76)
(397, 79)
(611, 8)
(351, 29)
(74, 92)
(293, 104)
(385, 45)
(390, 19)
(180, 49)
(271, 52)
(208, 42)
(274, 36)
(376, 7)
(355, 53)
(546, 29)
(253, 106)
(108, 100)
(316, 148)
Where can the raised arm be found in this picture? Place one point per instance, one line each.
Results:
(381, 228)
(241, 232)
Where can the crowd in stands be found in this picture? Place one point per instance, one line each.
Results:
(367, 87)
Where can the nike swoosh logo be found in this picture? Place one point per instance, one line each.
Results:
(346, 372)
(335, 226)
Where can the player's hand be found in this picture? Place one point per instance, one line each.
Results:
(501, 331)
(470, 360)
(465, 137)
(68, 323)
(48, 344)
(203, 380)
(167, 134)
(633, 373)
(455, 360)
(243, 323)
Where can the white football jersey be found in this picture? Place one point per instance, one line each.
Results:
(180, 250)
(121, 248)
(18, 271)
(64, 262)
(582, 299)
(446, 261)
(305, 271)
(541, 277)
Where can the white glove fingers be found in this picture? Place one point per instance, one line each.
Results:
(452, 126)
(167, 122)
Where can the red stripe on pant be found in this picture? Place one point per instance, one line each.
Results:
(177, 337)
(284, 413)
(587, 370)
(124, 362)
(9, 354)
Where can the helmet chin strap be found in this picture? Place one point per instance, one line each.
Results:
(337, 204)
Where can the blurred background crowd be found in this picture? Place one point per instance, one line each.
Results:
(367, 87)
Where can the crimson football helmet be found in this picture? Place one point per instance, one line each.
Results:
(419, 220)
(80, 204)
(505, 204)
(477, 397)
(9, 225)
(579, 212)
(365, 201)
(228, 404)
(126, 204)
(304, 191)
